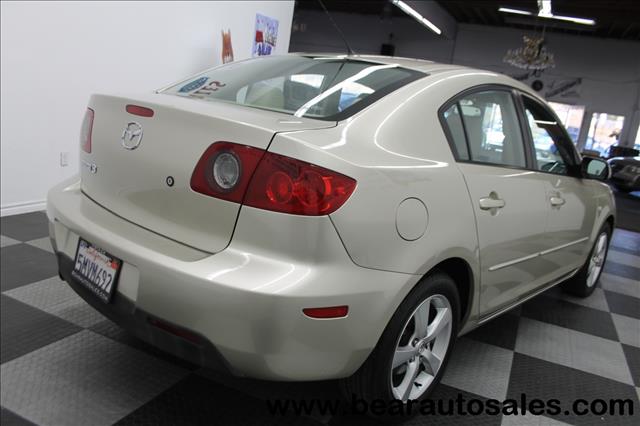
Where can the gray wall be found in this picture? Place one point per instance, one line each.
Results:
(609, 69)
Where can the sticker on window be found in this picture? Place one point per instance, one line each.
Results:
(195, 84)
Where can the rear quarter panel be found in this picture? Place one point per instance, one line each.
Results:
(396, 149)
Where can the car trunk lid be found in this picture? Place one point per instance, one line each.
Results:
(146, 179)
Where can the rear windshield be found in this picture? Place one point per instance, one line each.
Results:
(316, 87)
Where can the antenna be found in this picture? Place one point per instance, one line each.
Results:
(344, 39)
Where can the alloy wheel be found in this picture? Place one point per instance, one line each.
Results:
(596, 262)
(421, 348)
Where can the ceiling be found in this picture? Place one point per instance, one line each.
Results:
(619, 19)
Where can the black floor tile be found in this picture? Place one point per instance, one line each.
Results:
(111, 330)
(501, 331)
(25, 227)
(9, 418)
(622, 270)
(570, 315)
(24, 264)
(633, 361)
(198, 401)
(24, 329)
(623, 304)
(538, 379)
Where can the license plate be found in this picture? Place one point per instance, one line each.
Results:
(96, 269)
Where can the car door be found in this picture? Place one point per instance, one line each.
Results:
(571, 208)
(507, 197)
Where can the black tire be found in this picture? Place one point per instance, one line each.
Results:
(372, 382)
(578, 285)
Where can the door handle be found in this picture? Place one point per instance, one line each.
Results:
(556, 201)
(491, 203)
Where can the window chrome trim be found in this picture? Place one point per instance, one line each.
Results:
(560, 247)
(514, 261)
(538, 254)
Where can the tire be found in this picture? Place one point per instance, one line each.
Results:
(436, 292)
(585, 281)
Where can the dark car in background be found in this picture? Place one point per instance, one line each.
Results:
(625, 173)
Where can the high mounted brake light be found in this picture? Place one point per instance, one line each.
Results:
(139, 110)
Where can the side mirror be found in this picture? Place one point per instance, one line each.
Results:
(595, 168)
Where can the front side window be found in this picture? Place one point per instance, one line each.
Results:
(549, 139)
(491, 127)
(571, 117)
(323, 88)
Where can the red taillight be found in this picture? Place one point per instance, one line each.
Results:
(287, 185)
(203, 179)
(86, 130)
(328, 312)
(139, 110)
(269, 181)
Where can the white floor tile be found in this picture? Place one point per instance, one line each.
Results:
(42, 243)
(6, 241)
(620, 284)
(628, 329)
(57, 298)
(573, 349)
(84, 379)
(479, 368)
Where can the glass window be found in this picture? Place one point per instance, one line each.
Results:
(571, 117)
(493, 132)
(304, 86)
(637, 142)
(552, 144)
(454, 124)
(604, 131)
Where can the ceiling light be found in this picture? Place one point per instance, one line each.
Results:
(516, 11)
(583, 21)
(417, 16)
(544, 11)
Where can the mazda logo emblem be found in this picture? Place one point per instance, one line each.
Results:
(131, 136)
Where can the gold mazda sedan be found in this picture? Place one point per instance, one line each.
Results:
(309, 217)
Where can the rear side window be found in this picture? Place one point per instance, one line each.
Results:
(323, 88)
(490, 128)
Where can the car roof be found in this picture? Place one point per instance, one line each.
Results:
(428, 67)
(411, 63)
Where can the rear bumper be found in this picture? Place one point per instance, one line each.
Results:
(245, 302)
(191, 346)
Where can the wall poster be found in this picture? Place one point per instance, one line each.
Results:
(266, 34)
(227, 48)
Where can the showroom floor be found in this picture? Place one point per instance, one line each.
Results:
(65, 364)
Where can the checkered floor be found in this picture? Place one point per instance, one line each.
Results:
(65, 364)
